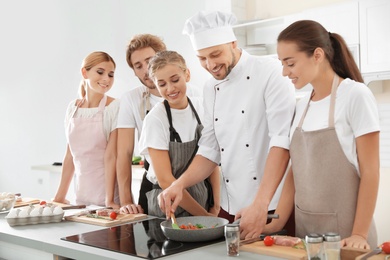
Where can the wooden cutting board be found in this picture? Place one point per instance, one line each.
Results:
(26, 202)
(107, 222)
(275, 250)
(380, 256)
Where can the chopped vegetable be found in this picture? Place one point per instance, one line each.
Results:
(196, 226)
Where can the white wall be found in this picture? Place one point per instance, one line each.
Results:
(42, 46)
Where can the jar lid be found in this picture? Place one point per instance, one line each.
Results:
(314, 238)
(232, 227)
(332, 237)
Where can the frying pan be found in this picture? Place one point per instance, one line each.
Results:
(205, 234)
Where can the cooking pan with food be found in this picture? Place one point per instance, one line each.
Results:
(208, 228)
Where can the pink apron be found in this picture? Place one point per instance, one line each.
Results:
(87, 144)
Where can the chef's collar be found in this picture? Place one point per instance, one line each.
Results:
(240, 66)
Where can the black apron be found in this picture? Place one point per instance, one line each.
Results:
(181, 155)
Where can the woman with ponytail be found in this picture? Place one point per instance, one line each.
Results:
(90, 126)
(333, 180)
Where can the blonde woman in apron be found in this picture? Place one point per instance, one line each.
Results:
(90, 125)
(333, 181)
(169, 139)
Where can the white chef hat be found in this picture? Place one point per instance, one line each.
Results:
(208, 29)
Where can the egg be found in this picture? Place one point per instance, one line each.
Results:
(36, 212)
(58, 210)
(24, 213)
(13, 213)
(47, 211)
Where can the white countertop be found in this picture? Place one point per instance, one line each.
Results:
(42, 241)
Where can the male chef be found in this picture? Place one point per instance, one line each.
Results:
(248, 107)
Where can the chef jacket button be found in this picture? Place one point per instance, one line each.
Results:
(242, 111)
(247, 77)
(247, 145)
(222, 149)
(217, 88)
(255, 178)
(216, 119)
(227, 180)
(219, 164)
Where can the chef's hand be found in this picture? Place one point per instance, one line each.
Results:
(170, 198)
(131, 209)
(355, 241)
(252, 221)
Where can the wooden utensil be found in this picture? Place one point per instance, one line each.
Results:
(174, 222)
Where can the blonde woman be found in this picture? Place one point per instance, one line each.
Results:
(170, 138)
(91, 135)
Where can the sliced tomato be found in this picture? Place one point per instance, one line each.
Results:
(42, 203)
(113, 215)
(268, 241)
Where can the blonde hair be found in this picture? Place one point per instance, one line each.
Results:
(163, 58)
(90, 61)
(141, 41)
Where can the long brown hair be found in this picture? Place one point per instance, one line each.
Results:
(309, 35)
(90, 61)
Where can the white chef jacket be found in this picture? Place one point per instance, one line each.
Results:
(246, 114)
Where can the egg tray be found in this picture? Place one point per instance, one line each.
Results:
(30, 220)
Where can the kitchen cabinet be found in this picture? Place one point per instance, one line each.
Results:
(374, 20)
(342, 18)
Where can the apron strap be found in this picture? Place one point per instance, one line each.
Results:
(174, 136)
(335, 84)
(194, 111)
(102, 103)
(145, 104)
(333, 100)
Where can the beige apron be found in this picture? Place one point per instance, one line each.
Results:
(181, 155)
(326, 183)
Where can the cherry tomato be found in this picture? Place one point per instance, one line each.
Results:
(141, 162)
(113, 215)
(386, 247)
(268, 241)
(42, 203)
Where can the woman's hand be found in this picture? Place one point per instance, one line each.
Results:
(63, 201)
(355, 241)
(214, 210)
(112, 205)
(131, 209)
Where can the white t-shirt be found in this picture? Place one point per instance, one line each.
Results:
(356, 114)
(130, 114)
(156, 129)
(110, 116)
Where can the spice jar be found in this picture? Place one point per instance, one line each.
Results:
(332, 245)
(232, 235)
(314, 243)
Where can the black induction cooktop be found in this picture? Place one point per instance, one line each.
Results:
(143, 239)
